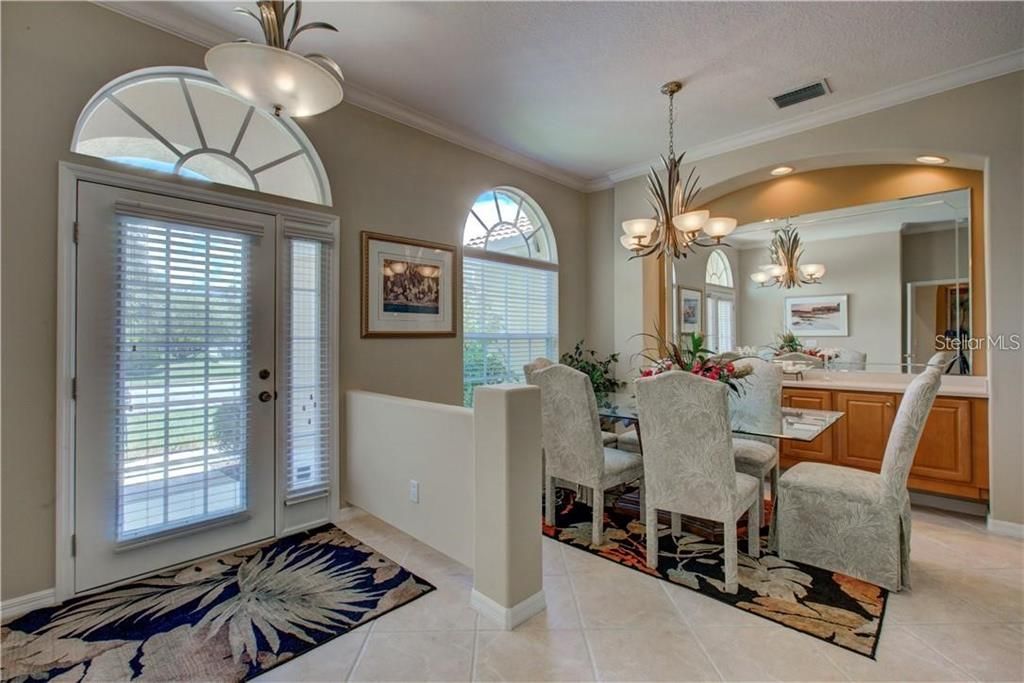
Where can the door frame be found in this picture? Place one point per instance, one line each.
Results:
(69, 175)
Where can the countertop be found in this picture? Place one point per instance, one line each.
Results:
(952, 385)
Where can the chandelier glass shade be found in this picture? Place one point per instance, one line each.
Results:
(272, 76)
(675, 229)
(785, 271)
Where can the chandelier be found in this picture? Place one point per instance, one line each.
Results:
(785, 271)
(675, 229)
(273, 77)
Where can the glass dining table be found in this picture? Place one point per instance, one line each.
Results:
(797, 424)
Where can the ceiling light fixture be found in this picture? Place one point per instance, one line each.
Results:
(782, 170)
(675, 229)
(273, 77)
(785, 271)
(932, 159)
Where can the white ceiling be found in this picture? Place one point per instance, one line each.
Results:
(571, 88)
(927, 212)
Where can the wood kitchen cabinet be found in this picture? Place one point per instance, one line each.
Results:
(951, 459)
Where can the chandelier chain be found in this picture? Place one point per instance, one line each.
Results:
(671, 126)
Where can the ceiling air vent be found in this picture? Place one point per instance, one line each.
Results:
(802, 94)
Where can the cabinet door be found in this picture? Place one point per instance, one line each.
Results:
(862, 433)
(945, 448)
(819, 450)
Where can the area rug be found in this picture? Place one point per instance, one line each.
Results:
(225, 619)
(838, 609)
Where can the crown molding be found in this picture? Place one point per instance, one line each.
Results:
(907, 92)
(165, 17)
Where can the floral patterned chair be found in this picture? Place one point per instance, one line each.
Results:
(571, 435)
(689, 466)
(848, 359)
(856, 522)
(758, 408)
(609, 438)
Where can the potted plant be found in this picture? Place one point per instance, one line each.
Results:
(599, 370)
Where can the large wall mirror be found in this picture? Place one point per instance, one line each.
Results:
(896, 286)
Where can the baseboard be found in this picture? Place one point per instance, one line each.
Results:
(509, 617)
(998, 526)
(15, 607)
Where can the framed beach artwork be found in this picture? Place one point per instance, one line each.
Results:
(818, 316)
(408, 287)
(691, 304)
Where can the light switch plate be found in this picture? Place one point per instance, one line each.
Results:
(414, 491)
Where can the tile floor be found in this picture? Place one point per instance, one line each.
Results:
(963, 620)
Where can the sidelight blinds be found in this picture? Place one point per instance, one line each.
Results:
(182, 357)
(307, 368)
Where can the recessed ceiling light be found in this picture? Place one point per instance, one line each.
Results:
(782, 170)
(931, 159)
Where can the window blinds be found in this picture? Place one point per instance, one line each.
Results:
(721, 337)
(182, 363)
(510, 317)
(307, 368)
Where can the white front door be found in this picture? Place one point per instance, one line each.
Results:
(175, 381)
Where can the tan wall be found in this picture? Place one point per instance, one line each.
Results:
(982, 123)
(384, 177)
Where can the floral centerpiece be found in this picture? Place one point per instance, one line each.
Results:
(790, 343)
(688, 354)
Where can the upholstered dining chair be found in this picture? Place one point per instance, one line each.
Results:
(609, 438)
(797, 357)
(856, 522)
(758, 407)
(849, 359)
(571, 436)
(688, 461)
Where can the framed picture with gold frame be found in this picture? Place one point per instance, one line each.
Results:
(408, 287)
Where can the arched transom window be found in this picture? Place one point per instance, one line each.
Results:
(183, 121)
(721, 303)
(509, 289)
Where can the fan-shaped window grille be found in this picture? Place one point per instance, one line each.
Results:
(719, 271)
(509, 289)
(183, 121)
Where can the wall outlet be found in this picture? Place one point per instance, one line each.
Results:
(414, 491)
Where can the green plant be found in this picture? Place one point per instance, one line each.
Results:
(597, 369)
(788, 342)
(687, 353)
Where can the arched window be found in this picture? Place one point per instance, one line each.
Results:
(721, 303)
(509, 289)
(182, 121)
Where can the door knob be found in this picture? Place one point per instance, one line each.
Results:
(265, 396)
(264, 373)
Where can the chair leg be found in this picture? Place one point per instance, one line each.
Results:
(758, 509)
(549, 500)
(775, 486)
(643, 497)
(598, 525)
(652, 536)
(677, 524)
(754, 530)
(731, 560)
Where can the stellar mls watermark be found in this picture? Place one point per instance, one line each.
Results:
(997, 342)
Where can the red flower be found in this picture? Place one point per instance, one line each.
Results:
(730, 368)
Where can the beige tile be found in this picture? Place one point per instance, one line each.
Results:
(554, 565)
(628, 600)
(532, 655)
(989, 652)
(900, 657)
(699, 610)
(432, 656)
(430, 564)
(930, 600)
(581, 562)
(561, 612)
(768, 652)
(331, 661)
(445, 609)
(995, 595)
(666, 654)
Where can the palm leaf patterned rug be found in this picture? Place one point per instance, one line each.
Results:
(833, 607)
(225, 619)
